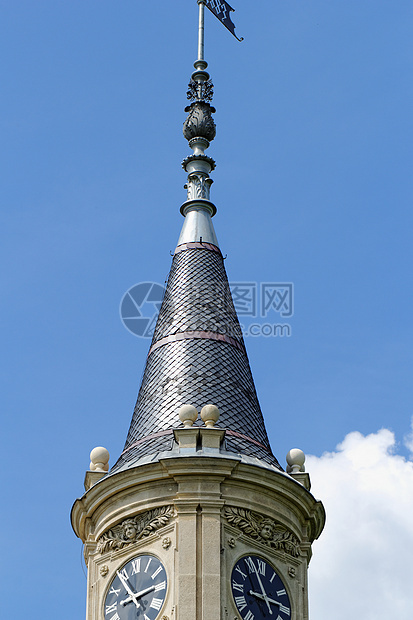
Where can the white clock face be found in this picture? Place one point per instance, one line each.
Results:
(137, 591)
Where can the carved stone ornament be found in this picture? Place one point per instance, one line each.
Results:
(132, 530)
(263, 529)
(200, 123)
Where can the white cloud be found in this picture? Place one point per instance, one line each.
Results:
(362, 565)
(408, 440)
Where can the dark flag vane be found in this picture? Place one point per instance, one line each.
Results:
(221, 9)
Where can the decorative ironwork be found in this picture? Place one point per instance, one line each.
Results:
(200, 91)
(198, 186)
(265, 530)
(199, 123)
(132, 530)
(192, 158)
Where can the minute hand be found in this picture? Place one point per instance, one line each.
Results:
(264, 594)
(128, 589)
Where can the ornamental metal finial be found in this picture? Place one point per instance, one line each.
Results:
(200, 88)
(199, 129)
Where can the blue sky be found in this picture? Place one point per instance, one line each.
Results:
(313, 186)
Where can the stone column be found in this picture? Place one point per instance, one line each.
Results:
(211, 560)
(187, 559)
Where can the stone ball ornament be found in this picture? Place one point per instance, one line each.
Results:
(188, 415)
(99, 459)
(295, 461)
(210, 415)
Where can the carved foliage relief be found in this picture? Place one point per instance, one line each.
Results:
(263, 529)
(198, 187)
(132, 530)
(199, 123)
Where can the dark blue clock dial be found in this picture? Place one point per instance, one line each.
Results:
(137, 591)
(258, 590)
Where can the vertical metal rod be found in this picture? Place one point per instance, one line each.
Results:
(201, 32)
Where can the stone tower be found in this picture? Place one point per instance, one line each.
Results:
(197, 519)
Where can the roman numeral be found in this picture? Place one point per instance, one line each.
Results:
(261, 567)
(285, 610)
(136, 566)
(249, 616)
(160, 586)
(145, 617)
(250, 564)
(147, 566)
(156, 573)
(243, 575)
(115, 617)
(281, 592)
(111, 608)
(156, 603)
(240, 602)
(272, 578)
(238, 586)
(113, 591)
(124, 574)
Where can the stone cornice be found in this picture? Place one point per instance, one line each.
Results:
(196, 478)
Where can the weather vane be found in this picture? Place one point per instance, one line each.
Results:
(200, 87)
(222, 10)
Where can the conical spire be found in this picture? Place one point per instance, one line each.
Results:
(197, 355)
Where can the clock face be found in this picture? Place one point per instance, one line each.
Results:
(138, 590)
(258, 590)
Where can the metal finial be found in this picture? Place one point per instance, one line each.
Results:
(199, 129)
(200, 87)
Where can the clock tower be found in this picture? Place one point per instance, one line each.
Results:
(197, 520)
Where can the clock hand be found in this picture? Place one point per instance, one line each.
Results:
(128, 589)
(258, 595)
(264, 594)
(137, 595)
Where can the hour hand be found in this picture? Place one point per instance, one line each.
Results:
(137, 595)
(265, 598)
